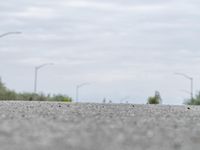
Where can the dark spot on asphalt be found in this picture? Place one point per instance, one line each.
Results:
(177, 146)
(175, 126)
(59, 105)
(188, 108)
(133, 105)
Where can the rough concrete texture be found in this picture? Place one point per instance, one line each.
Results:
(76, 126)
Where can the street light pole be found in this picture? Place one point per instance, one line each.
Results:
(36, 74)
(191, 82)
(77, 90)
(9, 33)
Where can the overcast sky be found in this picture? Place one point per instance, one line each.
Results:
(122, 48)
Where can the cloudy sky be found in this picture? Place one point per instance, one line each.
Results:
(122, 48)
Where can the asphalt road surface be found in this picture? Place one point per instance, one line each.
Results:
(76, 126)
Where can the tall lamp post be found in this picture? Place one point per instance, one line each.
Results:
(191, 82)
(77, 90)
(8, 33)
(36, 74)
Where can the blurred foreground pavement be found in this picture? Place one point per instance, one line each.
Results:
(64, 126)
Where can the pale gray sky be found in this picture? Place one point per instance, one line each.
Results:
(123, 48)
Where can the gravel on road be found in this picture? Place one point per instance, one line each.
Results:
(88, 126)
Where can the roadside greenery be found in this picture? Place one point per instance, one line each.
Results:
(7, 94)
(194, 101)
(156, 99)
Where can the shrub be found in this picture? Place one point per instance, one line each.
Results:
(194, 101)
(61, 98)
(155, 99)
(6, 94)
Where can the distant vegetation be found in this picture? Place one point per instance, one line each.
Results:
(156, 99)
(194, 101)
(7, 94)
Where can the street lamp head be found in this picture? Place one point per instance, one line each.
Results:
(43, 65)
(184, 75)
(9, 33)
(83, 84)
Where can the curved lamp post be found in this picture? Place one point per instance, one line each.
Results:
(191, 82)
(36, 74)
(9, 33)
(77, 89)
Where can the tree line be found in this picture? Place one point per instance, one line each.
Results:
(7, 94)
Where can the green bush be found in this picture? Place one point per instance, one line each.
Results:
(61, 98)
(194, 101)
(155, 99)
(6, 94)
